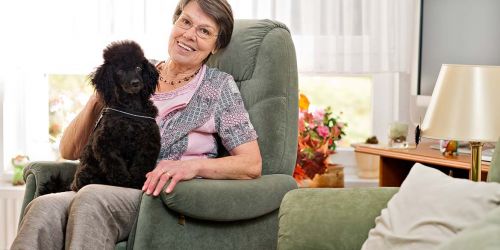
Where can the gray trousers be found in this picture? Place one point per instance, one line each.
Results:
(96, 217)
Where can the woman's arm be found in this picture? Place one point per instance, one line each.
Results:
(77, 133)
(244, 163)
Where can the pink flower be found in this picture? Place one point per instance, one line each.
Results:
(319, 115)
(302, 126)
(323, 131)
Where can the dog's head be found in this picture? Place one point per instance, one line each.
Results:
(125, 71)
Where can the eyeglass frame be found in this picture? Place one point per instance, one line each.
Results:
(197, 28)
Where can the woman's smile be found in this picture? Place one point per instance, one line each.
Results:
(185, 47)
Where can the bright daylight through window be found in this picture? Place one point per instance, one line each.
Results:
(348, 96)
(67, 96)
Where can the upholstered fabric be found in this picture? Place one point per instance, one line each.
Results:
(38, 173)
(329, 218)
(161, 228)
(425, 213)
(341, 218)
(261, 58)
(227, 214)
(481, 235)
(234, 201)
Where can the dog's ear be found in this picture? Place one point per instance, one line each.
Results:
(103, 81)
(150, 77)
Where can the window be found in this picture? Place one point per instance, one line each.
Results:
(349, 97)
(67, 96)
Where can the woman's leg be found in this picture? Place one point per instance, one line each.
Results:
(44, 222)
(100, 215)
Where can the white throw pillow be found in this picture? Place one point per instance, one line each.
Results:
(429, 209)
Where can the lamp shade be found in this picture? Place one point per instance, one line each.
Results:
(465, 104)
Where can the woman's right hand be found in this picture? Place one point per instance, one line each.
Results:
(166, 170)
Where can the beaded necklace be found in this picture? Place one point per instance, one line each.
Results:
(185, 79)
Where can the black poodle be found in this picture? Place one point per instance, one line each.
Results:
(125, 143)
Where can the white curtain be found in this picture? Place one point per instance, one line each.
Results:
(331, 36)
(343, 36)
(39, 38)
(67, 37)
(370, 37)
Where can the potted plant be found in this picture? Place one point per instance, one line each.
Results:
(318, 132)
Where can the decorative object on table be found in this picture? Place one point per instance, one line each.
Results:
(367, 165)
(417, 135)
(332, 178)
(464, 107)
(397, 135)
(448, 147)
(372, 140)
(318, 132)
(19, 162)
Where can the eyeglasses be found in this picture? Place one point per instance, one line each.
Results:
(202, 32)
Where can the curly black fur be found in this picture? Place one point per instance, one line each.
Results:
(55, 184)
(122, 148)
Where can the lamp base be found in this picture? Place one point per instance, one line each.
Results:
(475, 171)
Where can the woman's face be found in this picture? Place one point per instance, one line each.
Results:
(185, 47)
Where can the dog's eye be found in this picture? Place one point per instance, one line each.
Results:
(138, 69)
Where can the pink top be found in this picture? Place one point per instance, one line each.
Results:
(200, 140)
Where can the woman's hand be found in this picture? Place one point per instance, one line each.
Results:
(165, 170)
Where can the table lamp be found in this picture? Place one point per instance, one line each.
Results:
(465, 106)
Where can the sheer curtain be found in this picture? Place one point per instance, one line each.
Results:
(67, 37)
(343, 36)
(40, 38)
(369, 37)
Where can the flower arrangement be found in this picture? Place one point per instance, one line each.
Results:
(318, 132)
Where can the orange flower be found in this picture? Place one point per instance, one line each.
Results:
(303, 102)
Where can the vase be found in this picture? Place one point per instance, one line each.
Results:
(367, 165)
(332, 178)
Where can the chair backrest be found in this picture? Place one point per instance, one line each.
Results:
(261, 58)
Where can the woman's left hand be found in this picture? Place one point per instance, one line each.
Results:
(165, 170)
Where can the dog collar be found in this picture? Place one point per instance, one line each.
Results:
(127, 113)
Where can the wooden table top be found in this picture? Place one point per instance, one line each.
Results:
(423, 153)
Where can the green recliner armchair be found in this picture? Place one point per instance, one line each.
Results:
(226, 214)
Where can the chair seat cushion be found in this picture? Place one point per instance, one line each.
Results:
(229, 200)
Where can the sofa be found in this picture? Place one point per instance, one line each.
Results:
(342, 218)
(225, 214)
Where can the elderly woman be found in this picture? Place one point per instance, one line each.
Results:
(196, 104)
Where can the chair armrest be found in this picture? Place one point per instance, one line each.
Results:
(37, 173)
(44, 170)
(229, 200)
(330, 218)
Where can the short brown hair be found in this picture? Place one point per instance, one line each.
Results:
(220, 11)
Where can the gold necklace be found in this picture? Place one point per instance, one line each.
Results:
(185, 79)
